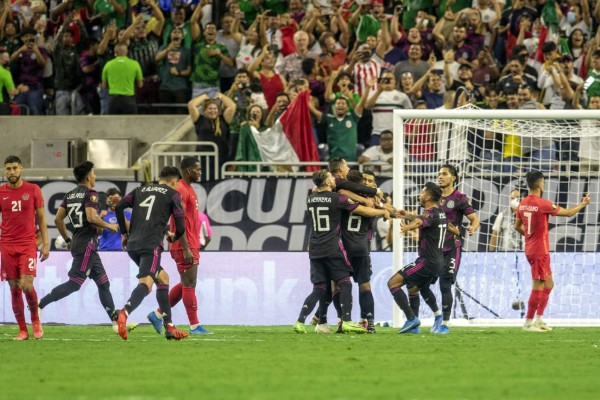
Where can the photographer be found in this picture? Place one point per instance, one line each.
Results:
(175, 66)
(30, 61)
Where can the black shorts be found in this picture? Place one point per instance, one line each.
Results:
(87, 265)
(451, 264)
(362, 270)
(418, 273)
(331, 268)
(148, 261)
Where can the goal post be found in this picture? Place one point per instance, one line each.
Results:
(493, 150)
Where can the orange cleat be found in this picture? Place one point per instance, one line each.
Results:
(122, 324)
(38, 332)
(173, 333)
(23, 335)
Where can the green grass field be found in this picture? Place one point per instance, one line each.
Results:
(91, 362)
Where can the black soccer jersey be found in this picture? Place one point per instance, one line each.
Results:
(325, 210)
(85, 234)
(456, 205)
(152, 206)
(356, 234)
(431, 236)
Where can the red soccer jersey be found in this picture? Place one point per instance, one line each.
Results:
(533, 211)
(189, 201)
(18, 209)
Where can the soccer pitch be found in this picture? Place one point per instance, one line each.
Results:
(238, 362)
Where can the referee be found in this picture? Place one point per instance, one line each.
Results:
(120, 76)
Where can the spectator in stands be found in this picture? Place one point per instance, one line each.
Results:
(291, 66)
(452, 139)
(545, 82)
(382, 154)
(229, 36)
(208, 55)
(121, 76)
(511, 144)
(333, 57)
(111, 10)
(592, 83)
(567, 87)
(589, 146)
(8, 31)
(271, 82)
(420, 139)
(465, 80)
(6, 82)
(212, 125)
(316, 84)
(30, 60)
(464, 53)
(344, 83)
(434, 94)
(109, 240)
(541, 150)
(106, 52)
(577, 49)
(251, 45)
(578, 17)
(516, 77)
(282, 101)
(174, 68)
(177, 20)
(485, 70)
(383, 103)
(529, 64)
(415, 65)
(67, 100)
(492, 99)
(90, 76)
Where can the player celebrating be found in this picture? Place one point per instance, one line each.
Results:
(81, 205)
(327, 259)
(418, 275)
(532, 222)
(152, 206)
(188, 272)
(455, 205)
(21, 203)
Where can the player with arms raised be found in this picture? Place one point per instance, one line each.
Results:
(152, 206)
(418, 275)
(532, 222)
(20, 203)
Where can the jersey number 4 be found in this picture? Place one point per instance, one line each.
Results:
(148, 203)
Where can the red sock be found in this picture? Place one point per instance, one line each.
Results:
(174, 296)
(16, 295)
(191, 304)
(534, 301)
(32, 302)
(543, 301)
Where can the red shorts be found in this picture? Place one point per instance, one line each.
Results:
(540, 267)
(18, 261)
(182, 265)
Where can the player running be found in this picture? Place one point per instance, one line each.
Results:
(418, 275)
(21, 203)
(188, 272)
(532, 222)
(152, 206)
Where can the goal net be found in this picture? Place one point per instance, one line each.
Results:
(493, 150)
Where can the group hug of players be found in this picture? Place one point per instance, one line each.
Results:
(341, 207)
(169, 207)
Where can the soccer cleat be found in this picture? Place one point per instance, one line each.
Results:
(444, 330)
(364, 323)
(200, 330)
(323, 328)
(350, 327)
(156, 322)
(314, 320)
(415, 331)
(532, 328)
(172, 333)
(410, 324)
(38, 332)
(23, 335)
(437, 322)
(122, 324)
(299, 327)
(371, 328)
(542, 325)
(339, 327)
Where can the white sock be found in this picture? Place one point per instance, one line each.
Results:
(528, 322)
(437, 313)
(192, 327)
(445, 323)
(158, 315)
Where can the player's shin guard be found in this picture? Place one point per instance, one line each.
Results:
(345, 298)
(415, 303)
(162, 297)
(18, 307)
(32, 303)
(429, 298)
(402, 301)
(534, 303)
(318, 294)
(190, 303)
(543, 301)
(446, 291)
(61, 291)
(367, 305)
(137, 296)
(105, 295)
(335, 298)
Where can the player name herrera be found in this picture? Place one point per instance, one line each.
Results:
(154, 189)
(320, 200)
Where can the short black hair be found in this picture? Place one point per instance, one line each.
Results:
(169, 172)
(81, 170)
(368, 172)
(187, 162)
(307, 65)
(386, 132)
(12, 159)
(434, 191)
(112, 192)
(335, 164)
(453, 171)
(533, 177)
(242, 71)
(355, 176)
(319, 177)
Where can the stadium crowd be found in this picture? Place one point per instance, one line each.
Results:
(244, 61)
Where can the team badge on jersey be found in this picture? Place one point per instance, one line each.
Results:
(451, 204)
(94, 198)
(348, 124)
(25, 196)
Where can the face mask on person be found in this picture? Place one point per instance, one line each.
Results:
(514, 203)
(571, 17)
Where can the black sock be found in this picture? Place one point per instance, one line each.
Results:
(324, 306)
(415, 303)
(162, 297)
(402, 301)
(60, 292)
(335, 298)
(137, 296)
(345, 298)
(446, 290)
(367, 305)
(429, 298)
(105, 295)
(317, 294)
